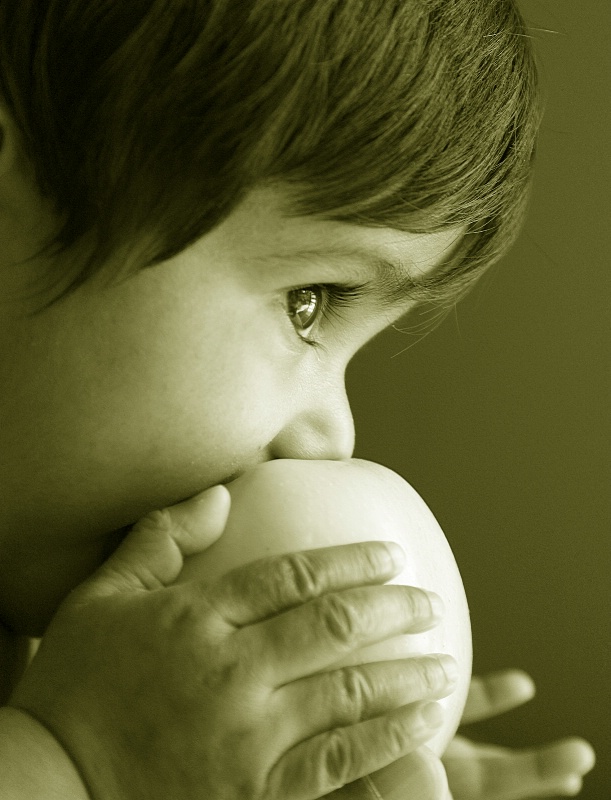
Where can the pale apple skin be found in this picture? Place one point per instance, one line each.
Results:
(288, 505)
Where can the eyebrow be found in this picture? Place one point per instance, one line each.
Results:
(392, 284)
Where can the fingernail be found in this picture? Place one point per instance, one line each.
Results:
(210, 497)
(212, 506)
(397, 554)
(450, 667)
(437, 606)
(431, 715)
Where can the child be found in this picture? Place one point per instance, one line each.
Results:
(206, 208)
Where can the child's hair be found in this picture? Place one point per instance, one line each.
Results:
(148, 121)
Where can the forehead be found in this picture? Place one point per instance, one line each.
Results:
(262, 231)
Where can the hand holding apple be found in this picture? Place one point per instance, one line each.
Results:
(156, 683)
(289, 505)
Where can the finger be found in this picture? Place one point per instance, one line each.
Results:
(316, 635)
(272, 585)
(152, 554)
(329, 761)
(572, 755)
(565, 787)
(350, 695)
(495, 693)
(491, 773)
(465, 787)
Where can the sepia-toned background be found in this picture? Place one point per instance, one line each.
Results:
(501, 417)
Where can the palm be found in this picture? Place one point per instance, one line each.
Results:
(487, 772)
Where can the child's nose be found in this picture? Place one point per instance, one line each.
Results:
(319, 427)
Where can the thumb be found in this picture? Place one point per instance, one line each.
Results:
(152, 554)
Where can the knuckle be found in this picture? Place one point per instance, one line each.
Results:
(157, 521)
(353, 693)
(398, 737)
(339, 620)
(431, 674)
(299, 578)
(374, 560)
(338, 758)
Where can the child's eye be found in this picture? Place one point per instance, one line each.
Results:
(308, 305)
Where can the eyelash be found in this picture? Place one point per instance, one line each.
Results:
(333, 298)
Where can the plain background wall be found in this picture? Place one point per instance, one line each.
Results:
(500, 418)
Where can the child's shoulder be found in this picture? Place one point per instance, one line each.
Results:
(15, 653)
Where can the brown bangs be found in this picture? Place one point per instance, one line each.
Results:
(148, 122)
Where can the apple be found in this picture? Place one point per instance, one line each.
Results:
(288, 505)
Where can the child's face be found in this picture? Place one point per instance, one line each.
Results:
(125, 399)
